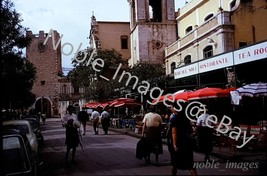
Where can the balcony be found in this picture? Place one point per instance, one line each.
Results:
(208, 28)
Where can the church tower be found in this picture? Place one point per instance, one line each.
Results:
(47, 61)
(152, 27)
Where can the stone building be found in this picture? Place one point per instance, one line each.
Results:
(152, 27)
(53, 91)
(47, 61)
(111, 35)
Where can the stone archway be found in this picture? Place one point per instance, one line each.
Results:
(43, 105)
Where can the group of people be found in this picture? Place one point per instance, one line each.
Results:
(180, 137)
(72, 123)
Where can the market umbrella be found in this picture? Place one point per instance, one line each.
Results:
(208, 92)
(174, 94)
(121, 100)
(253, 90)
(182, 95)
(127, 104)
(95, 104)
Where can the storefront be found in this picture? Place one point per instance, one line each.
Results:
(235, 68)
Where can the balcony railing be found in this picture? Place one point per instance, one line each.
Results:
(200, 31)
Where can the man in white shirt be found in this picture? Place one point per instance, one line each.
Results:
(105, 120)
(95, 120)
(152, 128)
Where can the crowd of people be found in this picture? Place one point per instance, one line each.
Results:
(73, 123)
(179, 134)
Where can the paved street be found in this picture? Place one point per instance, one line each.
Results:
(114, 154)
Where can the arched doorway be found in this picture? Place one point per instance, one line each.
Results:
(43, 105)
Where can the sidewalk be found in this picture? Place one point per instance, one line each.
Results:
(225, 153)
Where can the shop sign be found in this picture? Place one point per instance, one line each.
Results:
(249, 54)
(215, 63)
(187, 70)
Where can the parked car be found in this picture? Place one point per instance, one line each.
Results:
(18, 157)
(24, 127)
(36, 129)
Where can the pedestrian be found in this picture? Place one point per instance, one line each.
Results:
(152, 131)
(180, 146)
(71, 123)
(205, 134)
(105, 121)
(83, 117)
(95, 120)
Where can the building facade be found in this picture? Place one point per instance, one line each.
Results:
(53, 91)
(152, 28)
(111, 35)
(209, 33)
(48, 67)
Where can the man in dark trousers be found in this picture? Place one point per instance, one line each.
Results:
(105, 120)
(83, 117)
(205, 134)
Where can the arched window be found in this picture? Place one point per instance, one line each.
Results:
(208, 17)
(207, 52)
(155, 12)
(187, 59)
(188, 29)
(124, 42)
(232, 4)
(173, 66)
(64, 89)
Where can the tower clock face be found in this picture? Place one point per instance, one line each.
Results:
(41, 47)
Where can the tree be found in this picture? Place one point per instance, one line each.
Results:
(148, 72)
(17, 73)
(84, 75)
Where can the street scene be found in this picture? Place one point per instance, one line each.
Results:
(133, 87)
(114, 154)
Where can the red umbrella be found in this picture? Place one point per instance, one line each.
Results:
(170, 97)
(208, 92)
(95, 104)
(161, 98)
(121, 100)
(127, 104)
(183, 96)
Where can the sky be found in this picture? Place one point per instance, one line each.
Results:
(72, 18)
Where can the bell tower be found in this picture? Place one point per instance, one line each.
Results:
(47, 61)
(152, 27)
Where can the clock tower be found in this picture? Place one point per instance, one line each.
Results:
(47, 61)
(152, 28)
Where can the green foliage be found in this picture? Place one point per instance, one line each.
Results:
(12, 33)
(17, 74)
(84, 75)
(146, 72)
(102, 90)
(99, 89)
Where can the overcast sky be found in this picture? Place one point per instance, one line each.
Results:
(72, 17)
